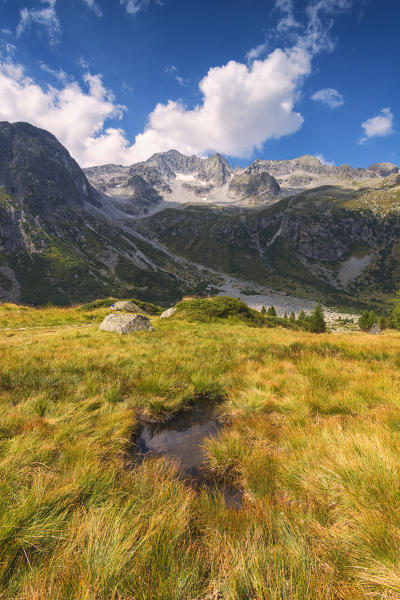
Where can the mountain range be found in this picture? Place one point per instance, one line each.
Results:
(176, 225)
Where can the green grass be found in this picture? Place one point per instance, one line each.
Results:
(311, 439)
(207, 310)
(13, 316)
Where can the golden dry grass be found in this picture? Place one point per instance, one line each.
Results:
(313, 442)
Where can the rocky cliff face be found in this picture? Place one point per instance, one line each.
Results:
(170, 225)
(259, 186)
(328, 240)
(174, 178)
(308, 171)
(36, 170)
(58, 240)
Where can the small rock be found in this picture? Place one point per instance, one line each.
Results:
(126, 323)
(168, 313)
(125, 305)
(375, 329)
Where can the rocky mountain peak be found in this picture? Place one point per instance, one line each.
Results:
(384, 169)
(37, 169)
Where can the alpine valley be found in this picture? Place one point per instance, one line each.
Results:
(176, 225)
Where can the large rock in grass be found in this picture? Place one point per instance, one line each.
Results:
(168, 313)
(126, 323)
(125, 305)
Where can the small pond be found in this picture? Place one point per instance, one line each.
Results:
(180, 439)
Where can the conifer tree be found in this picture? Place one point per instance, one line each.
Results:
(263, 311)
(292, 317)
(285, 316)
(317, 322)
(302, 316)
(271, 311)
(395, 314)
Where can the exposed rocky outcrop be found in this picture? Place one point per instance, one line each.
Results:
(308, 171)
(168, 313)
(35, 169)
(259, 186)
(125, 305)
(124, 324)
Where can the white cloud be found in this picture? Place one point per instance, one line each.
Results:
(171, 69)
(288, 21)
(45, 17)
(379, 126)
(256, 52)
(92, 5)
(329, 96)
(242, 107)
(135, 6)
(74, 115)
(59, 74)
(328, 163)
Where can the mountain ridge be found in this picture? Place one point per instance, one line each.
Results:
(64, 240)
(181, 179)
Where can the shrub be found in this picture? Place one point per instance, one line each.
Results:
(367, 320)
(383, 322)
(220, 307)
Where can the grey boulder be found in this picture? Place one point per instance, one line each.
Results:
(126, 323)
(125, 305)
(168, 313)
(375, 329)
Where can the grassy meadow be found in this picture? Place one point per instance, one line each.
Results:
(312, 439)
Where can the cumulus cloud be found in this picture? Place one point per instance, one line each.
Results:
(329, 96)
(92, 5)
(242, 105)
(45, 17)
(241, 108)
(76, 116)
(379, 126)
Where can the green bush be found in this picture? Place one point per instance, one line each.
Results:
(367, 320)
(220, 307)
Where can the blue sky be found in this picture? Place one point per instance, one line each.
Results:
(116, 80)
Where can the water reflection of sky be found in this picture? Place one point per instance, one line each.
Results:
(183, 446)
